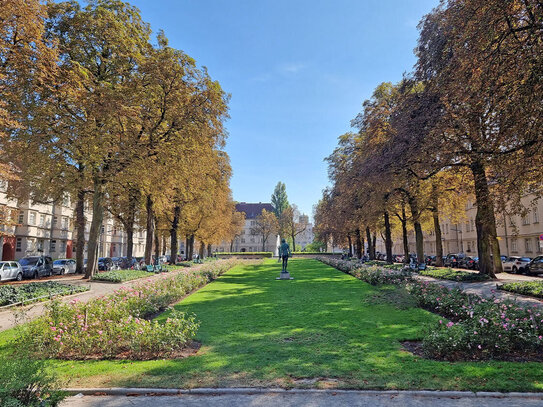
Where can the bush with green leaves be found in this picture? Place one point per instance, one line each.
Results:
(531, 288)
(31, 292)
(374, 275)
(120, 276)
(25, 382)
(119, 325)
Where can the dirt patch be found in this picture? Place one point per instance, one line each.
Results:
(415, 348)
(189, 350)
(320, 382)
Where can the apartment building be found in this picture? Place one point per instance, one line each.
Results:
(517, 235)
(48, 229)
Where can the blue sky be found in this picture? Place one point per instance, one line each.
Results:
(298, 72)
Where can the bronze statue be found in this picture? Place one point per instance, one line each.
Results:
(284, 254)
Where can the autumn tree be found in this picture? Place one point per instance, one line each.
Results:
(266, 225)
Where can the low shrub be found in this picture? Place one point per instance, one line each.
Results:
(118, 325)
(454, 275)
(531, 288)
(248, 254)
(25, 382)
(31, 292)
(120, 276)
(479, 328)
(373, 275)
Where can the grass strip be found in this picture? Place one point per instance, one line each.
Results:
(33, 292)
(120, 276)
(530, 288)
(454, 275)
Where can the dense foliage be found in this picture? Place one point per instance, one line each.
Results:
(119, 276)
(531, 288)
(454, 275)
(12, 294)
(118, 325)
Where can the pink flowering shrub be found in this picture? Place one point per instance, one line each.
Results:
(119, 325)
(479, 327)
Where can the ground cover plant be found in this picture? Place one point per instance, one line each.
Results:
(322, 329)
(31, 292)
(120, 276)
(454, 275)
(531, 288)
(118, 325)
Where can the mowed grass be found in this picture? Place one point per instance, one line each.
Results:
(323, 329)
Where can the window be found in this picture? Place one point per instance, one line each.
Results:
(21, 218)
(536, 216)
(102, 229)
(113, 247)
(242, 240)
(63, 246)
(65, 222)
(53, 246)
(32, 218)
(467, 226)
(525, 220)
(18, 244)
(469, 247)
(472, 225)
(66, 200)
(42, 220)
(55, 219)
(514, 245)
(528, 245)
(40, 245)
(539, 245)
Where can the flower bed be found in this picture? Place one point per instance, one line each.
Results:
(531, 288)
(479, 328)
(117, 325)
(454, 275)
(119, 276)
(32, 292)
(373, 275)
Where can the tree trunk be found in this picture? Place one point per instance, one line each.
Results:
(437, 230)
(232, 245)
(129, 228)
(157, 242)
(174, 245)
(371, 252)
(359, 245)
(404, 235)
(130, 220)
(293, 242)
(209, 250)
(190, 247)
(350, 245)
(374, 246)
(150, 229)
(201, 251)
(388, 238)
(80, 225)
(419, 236)
(485, 223)
(96, 227)
(163, 248)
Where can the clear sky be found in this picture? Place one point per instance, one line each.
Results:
(297, 71)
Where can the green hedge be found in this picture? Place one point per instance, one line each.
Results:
(120, 276)
(263, 254)
(531, 288)
(32, 292)
(318, 253)
(454, 275)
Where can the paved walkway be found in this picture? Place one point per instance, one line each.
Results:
(488, 288)
(309, 399)
(97, 289)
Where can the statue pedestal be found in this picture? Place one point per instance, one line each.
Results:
(285, 275)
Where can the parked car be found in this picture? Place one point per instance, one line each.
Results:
(36, 266)
(535, 266)
(430, 260)
(468, 263)
(453, 260)
(105, 264)
(124, 264)
(64, 266)
(10, 270)
(516, 264)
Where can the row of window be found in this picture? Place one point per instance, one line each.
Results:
(38, 245)
(44, 220)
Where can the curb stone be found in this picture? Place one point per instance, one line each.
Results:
(121, 391)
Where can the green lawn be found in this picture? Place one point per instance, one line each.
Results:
(323, 325)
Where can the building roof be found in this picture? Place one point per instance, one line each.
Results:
(252, 210)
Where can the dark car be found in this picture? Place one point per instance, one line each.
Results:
(36, 266)
(535, 266)
(453, 260)
(468, 263)
(105, 264)
(430, 260)
(124, 264)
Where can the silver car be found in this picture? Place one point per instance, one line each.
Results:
(10, 270)
(64, 266)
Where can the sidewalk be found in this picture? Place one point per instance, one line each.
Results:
(327, 398)
(97, 289)
(488, 289)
